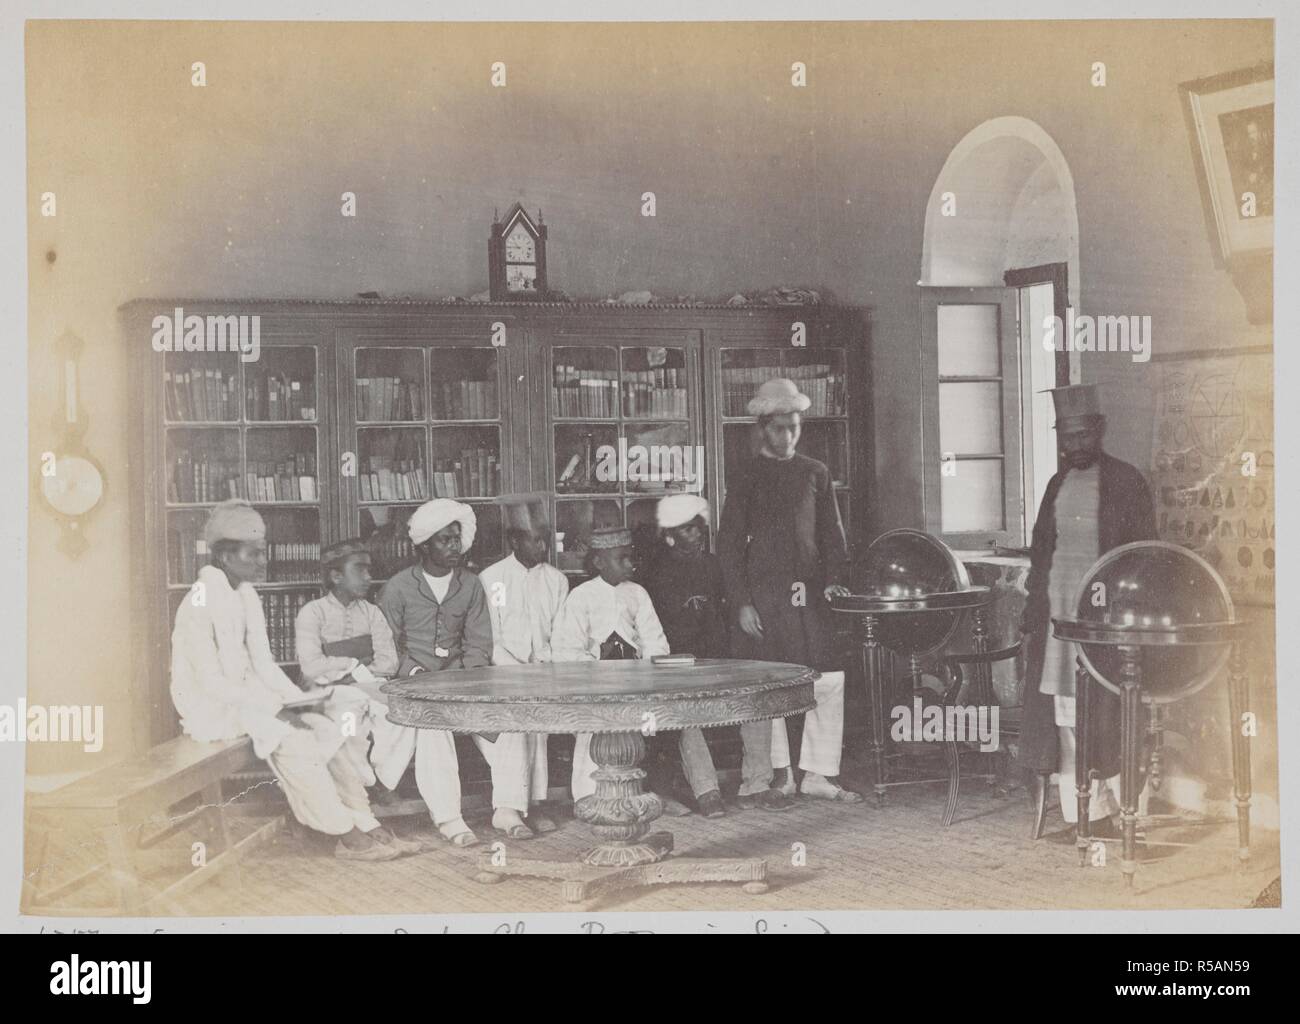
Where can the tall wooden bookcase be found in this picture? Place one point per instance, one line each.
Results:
(357, 412)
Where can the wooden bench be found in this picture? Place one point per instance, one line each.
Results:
(130, 805)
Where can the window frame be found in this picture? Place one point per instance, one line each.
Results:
(1006, 299)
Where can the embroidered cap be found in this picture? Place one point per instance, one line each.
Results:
(609, 538)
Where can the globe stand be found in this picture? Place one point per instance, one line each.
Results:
(873, 613)
(1131, 700)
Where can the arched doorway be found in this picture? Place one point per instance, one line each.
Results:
(999, 259)
(1014, 207)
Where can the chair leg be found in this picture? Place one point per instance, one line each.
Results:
(954, 782)
(1039, 783)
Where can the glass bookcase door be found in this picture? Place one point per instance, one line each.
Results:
(429, 424)
(465, 383)
(391, 464)
(620, 429)
(280, 465)
(388, 385)
(281, 386)
(584, 383)
(466, 454)
(200, 387)
(252, 431)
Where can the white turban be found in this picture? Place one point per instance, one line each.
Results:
(778, 396)
(438, 514)
(679, 509)
(235, 519)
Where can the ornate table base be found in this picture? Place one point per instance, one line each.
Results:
(627, 854)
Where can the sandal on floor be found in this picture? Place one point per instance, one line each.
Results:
(389, 838)
(540, 823)
(461, 839)
(376, 852)
(767, 800)
(824, 789)
(515, 832)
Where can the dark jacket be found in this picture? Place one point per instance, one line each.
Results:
(689, 599)
(781, 543)
(1126, 514)
(460, 625)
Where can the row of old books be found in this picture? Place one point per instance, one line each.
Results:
(476, 473)
(291, 479)
(200, 394)
(292, 561)
(211, 394)
(659, 393)
(281, 609)
(203, 477)
(380, 399)
(465, 400)
(825, 388)
(278, 397)
(287, 561)
(387, 479)
(586, 394)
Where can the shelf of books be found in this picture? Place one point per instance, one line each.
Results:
(428, 426)
(621, 429)
(264, 448)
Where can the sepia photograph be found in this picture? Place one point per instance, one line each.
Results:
(650, 466)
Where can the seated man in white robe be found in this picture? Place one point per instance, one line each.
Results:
(524, 597)
(226, 684)
(344, 645)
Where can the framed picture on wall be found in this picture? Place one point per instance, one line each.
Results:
(1230, 120)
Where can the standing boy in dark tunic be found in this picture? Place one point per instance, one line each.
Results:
(1094, 503)
(783, 555)
(685, 583)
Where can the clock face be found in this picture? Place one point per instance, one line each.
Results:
(521, 278)
(75, 486)
(520, 247)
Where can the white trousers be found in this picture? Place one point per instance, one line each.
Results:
(539, 780)
(1105, 802)
(581, 783)
(823, 730)
(1104, 792)
(437, 769)
(326, 791)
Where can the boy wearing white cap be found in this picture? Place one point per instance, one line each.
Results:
(685, 583)
(784, 554)
(225, 684)
(610, 618)
(439, 617)
(525, 594)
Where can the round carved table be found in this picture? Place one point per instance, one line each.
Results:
(620, 702)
